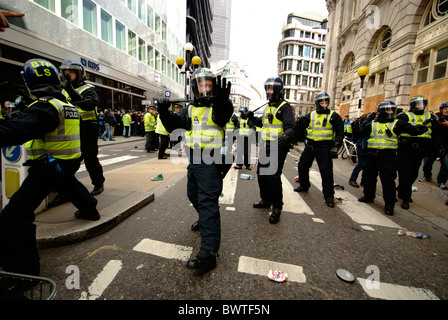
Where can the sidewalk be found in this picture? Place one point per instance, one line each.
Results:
(126, 190)
(428, 199)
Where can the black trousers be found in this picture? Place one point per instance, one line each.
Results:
(150, 141)
(242, 151)
(164, 142)
(269, 172)
(18, 252)
(384, 164)
(410, 158)
(89, 149)
(325, 163)
(203, 189)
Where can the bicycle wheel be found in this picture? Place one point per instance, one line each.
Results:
(344, 154)
(353, 155)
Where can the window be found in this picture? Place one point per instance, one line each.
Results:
(49, 4)
(106, 27)
(422, 73)
(163, 64)
(69, 10)
(289, 33)
(150, 14)
(299, 65)
(150, 57)
(141, 50)
(164, 31)
(157, 60)
(382, 42)
(157, 27)
(306, 66)
(132, 44)
(436, 10)
(120, 36)
(132, 5)
(90, 17)
(300, 53)
(307, 51)
(141, 10)
(441, 62)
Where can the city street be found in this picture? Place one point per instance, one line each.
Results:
(144, 257)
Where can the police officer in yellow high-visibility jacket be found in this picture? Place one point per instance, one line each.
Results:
(150, 123)
(50, 128)
(244, 129)
(203, 121)
(412, 150)
(381, 155)
(85, 98)
(324, 135)
(277, 134)
(164, 138)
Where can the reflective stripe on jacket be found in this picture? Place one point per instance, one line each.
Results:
(320, 128)
(204, 133)
(416, 120)
(379, 139)
(63, 142)
(272, 130)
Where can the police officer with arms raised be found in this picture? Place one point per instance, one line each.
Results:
(50, 128)
(324, 135)
(277, 134)
(203, 120)
(381, 155)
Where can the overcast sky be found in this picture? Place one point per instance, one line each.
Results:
(256, 29)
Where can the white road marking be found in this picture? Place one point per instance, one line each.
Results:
(229, 187)
(164, 250)
(292, 200)
(110, 161)
(262, 267)
(389, 291)
(102, 281)
(359, 212)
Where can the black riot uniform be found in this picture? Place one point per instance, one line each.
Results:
(50, 126)
(324, 135)
(412, 149)
(381, 154)
(244, 130)
(201, 124)
(85, 98)
(277, 135)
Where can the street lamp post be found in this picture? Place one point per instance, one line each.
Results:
(195, 62)
(362, 73)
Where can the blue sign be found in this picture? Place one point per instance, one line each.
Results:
(12, 153)
(167, 94)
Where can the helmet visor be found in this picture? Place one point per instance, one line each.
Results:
(204, 86)
(388, 112)
(272, 89)
(419, 104)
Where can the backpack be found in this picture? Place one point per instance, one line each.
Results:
(356, 131)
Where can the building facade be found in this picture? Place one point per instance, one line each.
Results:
(222, 11)
(301, 53)
(128, 47)
(200, 29)
(243, 93)
(403, 43)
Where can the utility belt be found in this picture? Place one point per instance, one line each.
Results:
(380, 152)
(310, 144)
(45, 160)
(415, 143)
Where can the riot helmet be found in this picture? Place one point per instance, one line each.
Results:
(443, 106)
(202, 86)
(418, 104)
(77, 68)
(41, 75)
(322, 102)
(274, 89)
(387, 111)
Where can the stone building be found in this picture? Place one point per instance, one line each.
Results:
(404, 44)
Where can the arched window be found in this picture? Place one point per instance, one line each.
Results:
(436, 10)
(382, 42)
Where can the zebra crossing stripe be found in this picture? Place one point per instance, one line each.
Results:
(359, 212)
(164, 250)
(102, 281)
(387, 291)
(262, 267)
(292, 200)
(229, 187)
(110, 161)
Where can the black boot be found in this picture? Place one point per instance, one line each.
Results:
(329, 201)
(97, 190)
(275, 215)
(205, 261)
(262, 204)
(301, 189)
(389, 209)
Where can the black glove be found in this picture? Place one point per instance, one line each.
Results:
(68, 87)
(442, 152)
(422, 129)
(283, 141)
(250, 115)
(221, 90)
(163, 105)
(334, 151)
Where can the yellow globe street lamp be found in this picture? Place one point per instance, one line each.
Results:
(196, 61)
(362, 73)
